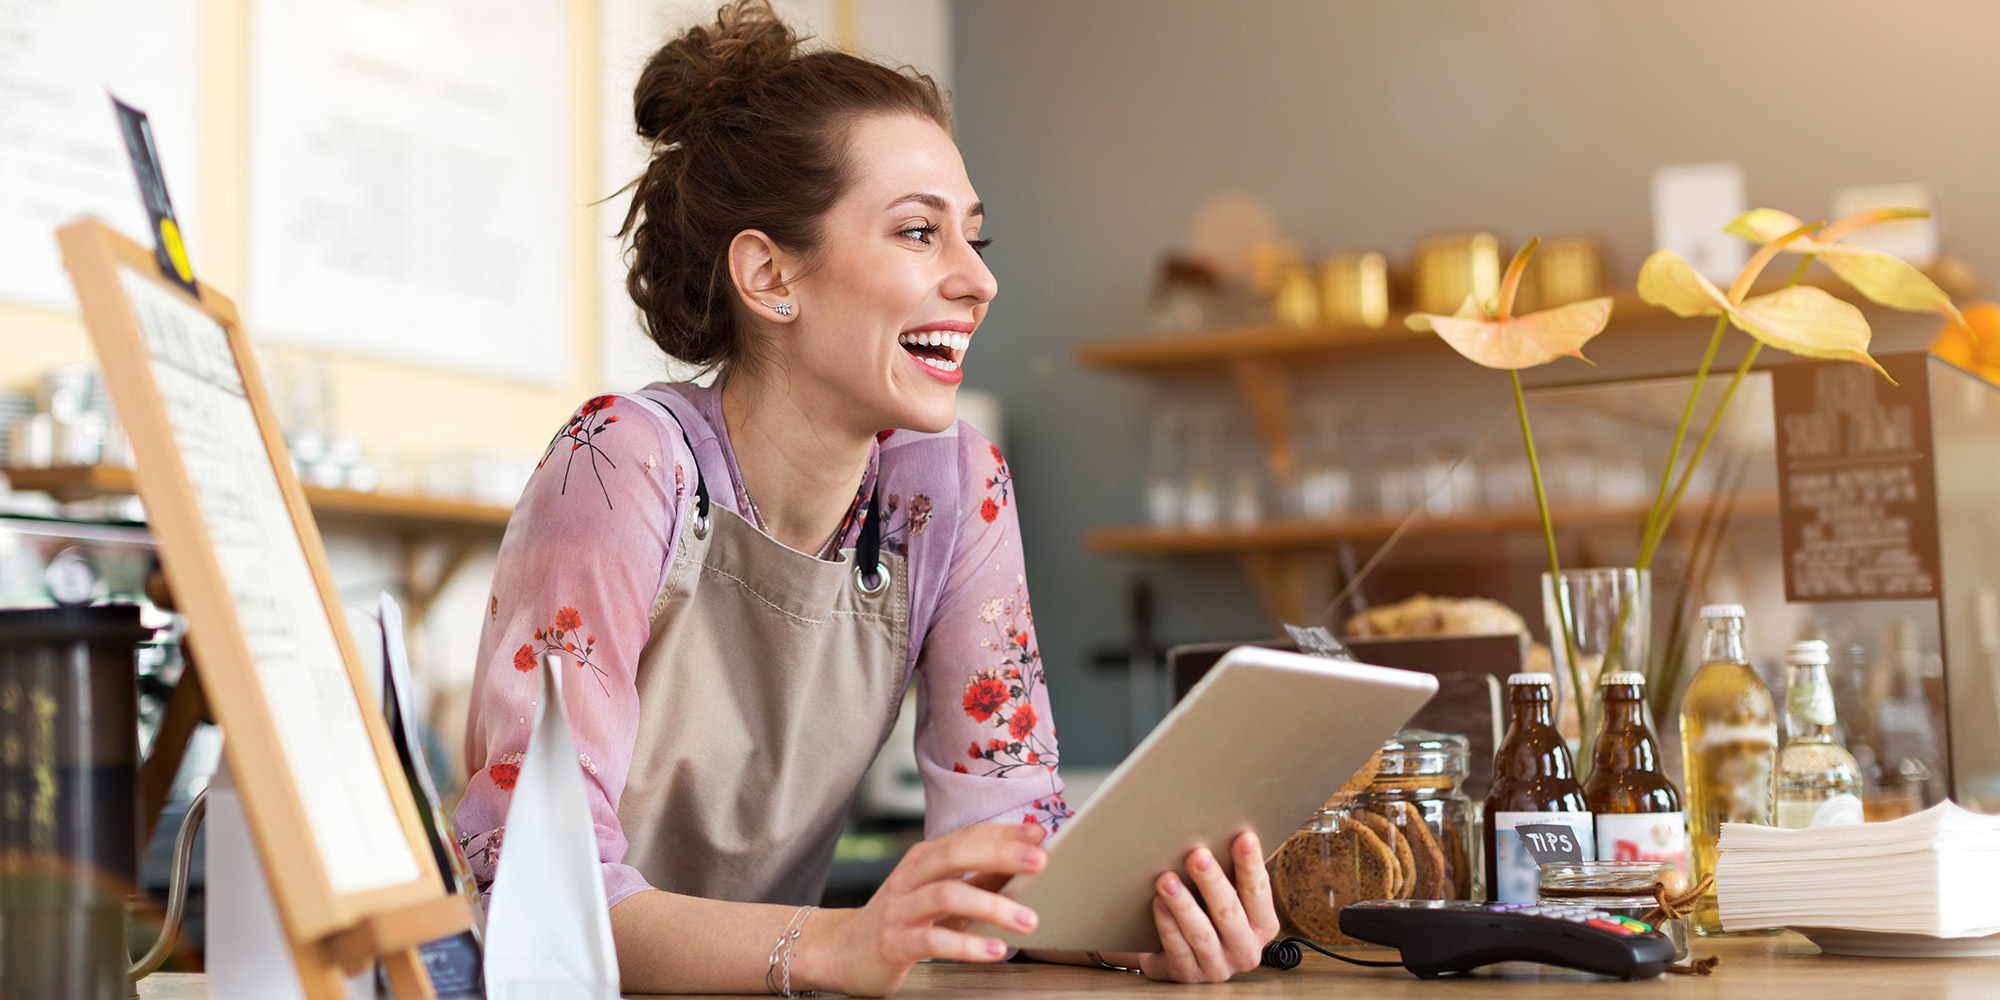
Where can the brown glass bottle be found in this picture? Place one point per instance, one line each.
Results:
(1635, 806)
(1534, 784)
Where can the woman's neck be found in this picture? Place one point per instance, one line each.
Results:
(799, 467)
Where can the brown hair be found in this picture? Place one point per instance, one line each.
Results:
(747, 132)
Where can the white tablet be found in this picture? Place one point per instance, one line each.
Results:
(1259, 744)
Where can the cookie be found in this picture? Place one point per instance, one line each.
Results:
(1406, 862)
(1452, 836)
(1315, 873)
(1432, 873)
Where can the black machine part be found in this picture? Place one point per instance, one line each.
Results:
(1440, 936)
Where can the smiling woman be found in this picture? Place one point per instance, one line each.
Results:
(751, 574)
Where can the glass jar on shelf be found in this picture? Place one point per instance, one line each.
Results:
(1400, 829)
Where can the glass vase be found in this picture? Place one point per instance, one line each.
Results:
(1609, 613)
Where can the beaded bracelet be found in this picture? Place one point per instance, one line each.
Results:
(775, 982)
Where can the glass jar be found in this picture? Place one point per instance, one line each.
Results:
(1621, 888)
(1399, 829)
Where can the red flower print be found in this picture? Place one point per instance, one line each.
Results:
(989, 510)
(567, 619)
(1022, 723)
(524, 658)
(590, 641)
(1030, 818)
(608, 421)
(884, 435)
(1034, 758)
(984, 696)
(996, 452)
(538, 635)
(973, 750)
(995, 746)
(960, 769)
(504, 775)
(597, 403)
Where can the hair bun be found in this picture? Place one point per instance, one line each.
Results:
(708, 67)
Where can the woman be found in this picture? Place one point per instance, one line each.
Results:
(741, 580)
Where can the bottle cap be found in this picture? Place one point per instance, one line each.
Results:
(1631, 677)
(1808, 653)
(1532, 677)
(1722, 611)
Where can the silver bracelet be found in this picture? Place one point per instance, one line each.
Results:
(775, 981)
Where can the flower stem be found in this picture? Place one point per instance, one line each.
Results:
(1549, 536)
(1653, 520)
(1701, 448)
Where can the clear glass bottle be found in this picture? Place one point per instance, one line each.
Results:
(1729, 747)
(1819, 782)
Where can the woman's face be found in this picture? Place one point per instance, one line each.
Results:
(892, 301)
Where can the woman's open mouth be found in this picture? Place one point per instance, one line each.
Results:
(939, 350)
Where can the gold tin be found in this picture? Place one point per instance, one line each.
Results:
(1354, 290)
(1451, 267)
(1568, 269)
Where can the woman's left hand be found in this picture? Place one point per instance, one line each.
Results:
(1217, 927)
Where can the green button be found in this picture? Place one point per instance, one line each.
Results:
(1634, 924)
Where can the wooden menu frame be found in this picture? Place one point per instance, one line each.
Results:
(334, 932)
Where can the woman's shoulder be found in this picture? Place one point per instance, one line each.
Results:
(946, 480)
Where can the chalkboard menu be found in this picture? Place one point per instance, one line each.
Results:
(1856, 480)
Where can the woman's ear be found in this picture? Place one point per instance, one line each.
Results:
(758, 268)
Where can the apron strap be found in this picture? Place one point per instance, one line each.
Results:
(700, 483)
(871, 575)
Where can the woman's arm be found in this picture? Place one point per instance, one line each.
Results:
(669, 943)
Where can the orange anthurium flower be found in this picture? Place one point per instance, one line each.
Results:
(1487, 334)
(1880, 277)
(1802, 320)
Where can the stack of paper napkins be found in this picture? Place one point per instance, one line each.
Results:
(1936, 873)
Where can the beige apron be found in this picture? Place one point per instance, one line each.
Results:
(767, 685)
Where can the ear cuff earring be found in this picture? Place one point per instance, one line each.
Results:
(781, 308)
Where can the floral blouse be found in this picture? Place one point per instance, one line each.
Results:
(588, 550)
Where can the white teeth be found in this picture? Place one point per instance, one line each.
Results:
(955, 341)
(943, 366)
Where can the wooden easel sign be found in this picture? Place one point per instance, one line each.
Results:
(341, 843)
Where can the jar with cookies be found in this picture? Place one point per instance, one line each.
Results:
(1401, 828)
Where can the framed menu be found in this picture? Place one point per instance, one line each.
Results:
(339, 835)
(1857, 484)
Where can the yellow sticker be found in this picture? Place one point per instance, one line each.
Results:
(170, 235)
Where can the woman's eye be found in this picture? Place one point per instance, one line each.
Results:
(979, 246)
(922, 234)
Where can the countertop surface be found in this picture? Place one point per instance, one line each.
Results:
(1758, 968)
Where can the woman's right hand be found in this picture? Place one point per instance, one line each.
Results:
(940, 888)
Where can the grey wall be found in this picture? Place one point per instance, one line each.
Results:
(1095, 129)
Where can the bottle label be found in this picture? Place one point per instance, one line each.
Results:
(1811, 702)
(1658, 837)
(1523, 841)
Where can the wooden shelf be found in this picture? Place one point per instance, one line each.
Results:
(1262, 359)
(399, 515)
(1295, 535)
(1215, 350)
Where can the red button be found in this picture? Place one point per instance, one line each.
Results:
(1608, 925)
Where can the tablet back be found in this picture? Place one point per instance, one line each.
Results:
(1258, 744)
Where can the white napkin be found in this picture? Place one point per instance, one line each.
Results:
(548, 929)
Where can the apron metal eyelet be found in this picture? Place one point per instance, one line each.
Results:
(700, 528)
(881, 580)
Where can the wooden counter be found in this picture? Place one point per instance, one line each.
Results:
(1751, 969)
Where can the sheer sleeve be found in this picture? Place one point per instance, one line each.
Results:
(986, 744)
(583, 559)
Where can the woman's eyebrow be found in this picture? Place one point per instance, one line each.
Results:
(936, 203)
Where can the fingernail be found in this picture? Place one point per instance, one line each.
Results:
(1032, 857)
(996, 948)
(1203, 860)
(1024, 918)
(1244, 847)
(1170, 885)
